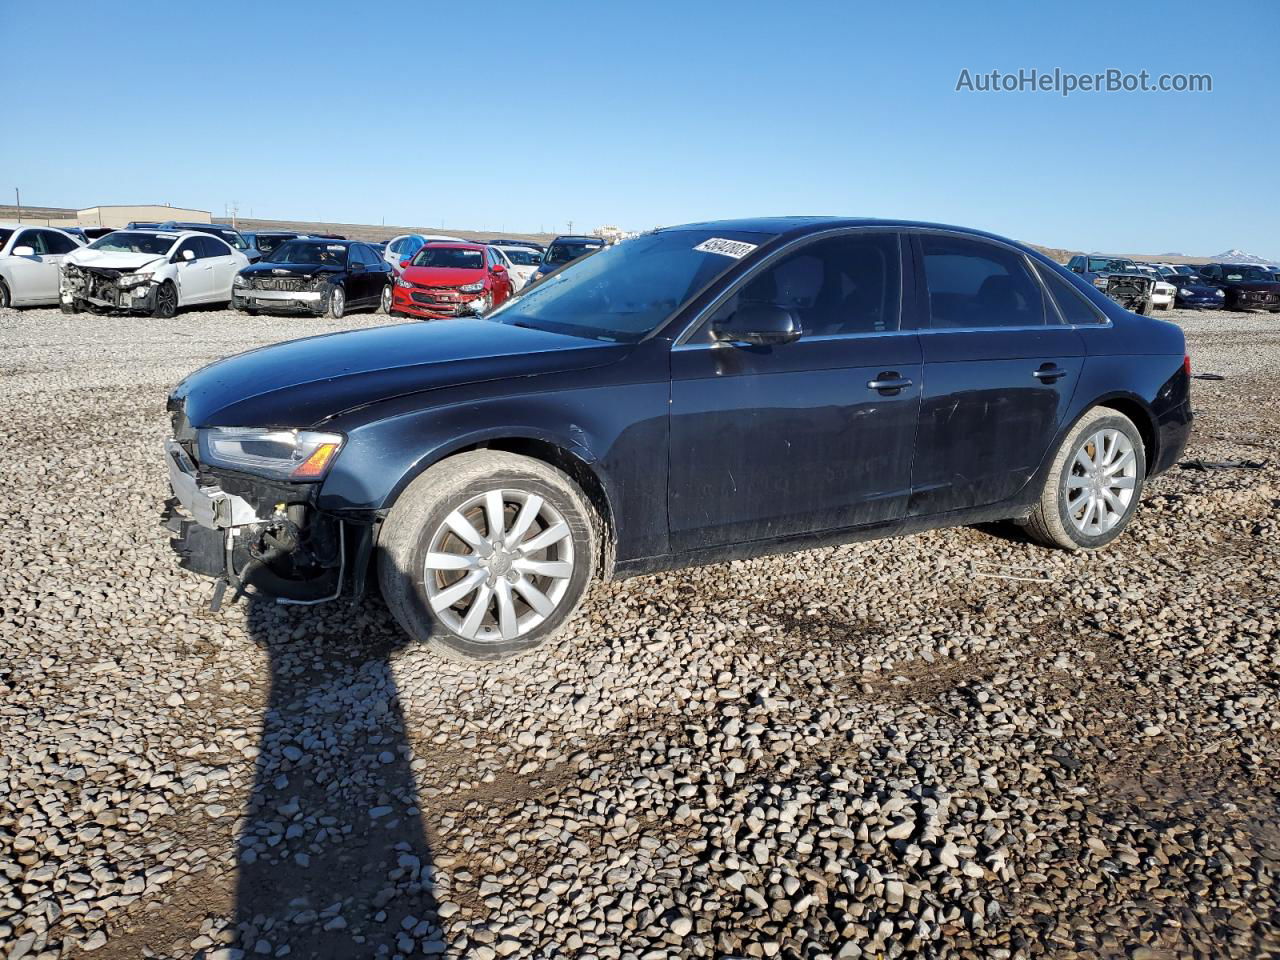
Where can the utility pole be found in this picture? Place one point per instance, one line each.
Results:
(235, 209)
(17, 195)
(570, 228)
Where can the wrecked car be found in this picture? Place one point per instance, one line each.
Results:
(1119, 278)
(450, 280)
(694, 395)
(320, 277)
(156, 272)
(1247, 286)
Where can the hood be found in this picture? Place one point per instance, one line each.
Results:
(443, 276)
(266, 268)
(301, 383)
(1262, 286)
(111, 260)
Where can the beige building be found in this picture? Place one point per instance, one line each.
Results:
(122, 215)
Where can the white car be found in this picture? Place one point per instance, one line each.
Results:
(29, 262)
(150, 271)
(407, 244)
(521, 263)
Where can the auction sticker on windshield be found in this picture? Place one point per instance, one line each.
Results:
(729, 248)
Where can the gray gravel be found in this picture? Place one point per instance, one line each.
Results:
(852, 752)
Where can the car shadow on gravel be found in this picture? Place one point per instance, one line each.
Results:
(334, 860)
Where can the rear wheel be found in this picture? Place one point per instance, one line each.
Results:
(6, 300)
(486, 554)
(166, 300)
(1094, 483)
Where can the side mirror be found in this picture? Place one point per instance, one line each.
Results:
(758, 324)
(499, 268)
(188, 255)
(357, 268)
(404, 263)
(24, 251)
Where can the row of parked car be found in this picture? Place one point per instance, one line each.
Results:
(158, 268)
(1145, 287)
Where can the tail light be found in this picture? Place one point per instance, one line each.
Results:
(1186, 364)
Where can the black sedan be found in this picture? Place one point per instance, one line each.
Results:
(694, 395)
(323, 277)
(1247, 287)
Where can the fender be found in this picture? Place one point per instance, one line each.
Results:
(616, 431)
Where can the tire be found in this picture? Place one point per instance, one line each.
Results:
(166, 301)
(1055, 521)
(418, 526)
(1146, 308)
(336, 308)
(6, 300)
(252, 313)
(384, 300)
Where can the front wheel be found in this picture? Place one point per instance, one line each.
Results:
(337, 304)
(166, 300)
(1094, 483)
(384, 302)
(486, 554)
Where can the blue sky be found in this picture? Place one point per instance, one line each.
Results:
(498, 116)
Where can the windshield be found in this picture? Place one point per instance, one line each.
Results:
(1246, 273)
(311, 253)
(623, 293)
(267, 243)
(563, 251)
(522, 256)
(124, 241)
(459, 259)
(1110, 265)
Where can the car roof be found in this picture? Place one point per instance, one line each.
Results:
(578, 236)
(9, 225)
(457, 244)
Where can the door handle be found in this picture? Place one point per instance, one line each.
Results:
(1049, 373)
(888, 383)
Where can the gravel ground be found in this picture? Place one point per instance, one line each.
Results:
(963, 746)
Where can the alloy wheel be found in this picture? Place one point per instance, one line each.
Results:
(166, 300)
(499, 565)
(1100, 484)
(337, 303)
(386, 299)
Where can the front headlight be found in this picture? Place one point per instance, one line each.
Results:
(472, 287)
(267, 452)
(240, 281)
(1219, 293)
(134, 279)
(402, 282)
(1100, 282)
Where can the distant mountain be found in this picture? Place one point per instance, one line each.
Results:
(1239, 256)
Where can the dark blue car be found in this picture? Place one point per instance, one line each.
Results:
(563, 251)
(700, 393)
(1193, 292)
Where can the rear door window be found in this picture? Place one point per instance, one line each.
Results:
(1071, 303)
(974, 284)
(58, 242)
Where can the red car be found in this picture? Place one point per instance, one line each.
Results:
(445, 279)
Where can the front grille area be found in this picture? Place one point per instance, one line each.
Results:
(278, 283)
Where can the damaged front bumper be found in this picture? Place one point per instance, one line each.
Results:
(103, 287)
(284, 301)
(262, 537)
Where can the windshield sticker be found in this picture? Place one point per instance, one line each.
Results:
(729, 248)
(336, 246)
(167, 236)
